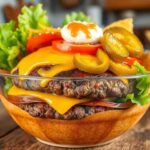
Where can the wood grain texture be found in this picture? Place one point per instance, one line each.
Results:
(6, 123)
(137, 138)
(127, 4)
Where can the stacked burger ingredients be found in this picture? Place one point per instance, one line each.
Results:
(77, 70)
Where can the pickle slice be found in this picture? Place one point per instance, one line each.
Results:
(129, 40)
(114, 47)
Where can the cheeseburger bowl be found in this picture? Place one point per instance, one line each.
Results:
(83, 125)
(75, 86)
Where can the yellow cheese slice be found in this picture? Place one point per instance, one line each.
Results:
(43, 56)
(54, 71)
(60, 103)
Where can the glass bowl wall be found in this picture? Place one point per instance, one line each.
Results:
(93, 130)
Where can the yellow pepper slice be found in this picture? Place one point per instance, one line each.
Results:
(91, 64)
(129, 40)
(114, 47)
(122, 69)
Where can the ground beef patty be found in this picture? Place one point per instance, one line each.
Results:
(37, 108)
(90, 88)
(43, 110)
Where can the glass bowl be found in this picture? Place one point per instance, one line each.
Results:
(90, 127)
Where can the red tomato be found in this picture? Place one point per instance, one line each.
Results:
(130, 61)
(39, 41)
(76, 48)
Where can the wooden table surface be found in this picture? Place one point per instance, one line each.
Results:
(14, 138)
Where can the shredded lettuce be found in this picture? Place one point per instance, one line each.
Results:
(31, 17)
(142, 94)
(9, 46)
(78, 16)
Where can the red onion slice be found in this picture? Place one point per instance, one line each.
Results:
(23, 99)
(106, 103)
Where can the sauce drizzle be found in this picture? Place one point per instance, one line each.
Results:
(75, 27)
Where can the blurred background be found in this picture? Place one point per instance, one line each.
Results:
(102, 12)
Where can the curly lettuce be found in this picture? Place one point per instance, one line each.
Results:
(141, 96)
(78, 16)
(13, 41)
(9, 46)
(31, 17)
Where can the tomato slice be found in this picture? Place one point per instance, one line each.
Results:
(76, 48)
(130, 61)
(39, 41)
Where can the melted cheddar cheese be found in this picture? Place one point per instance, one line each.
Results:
(44, 56)
(54, 71)
(60, 103)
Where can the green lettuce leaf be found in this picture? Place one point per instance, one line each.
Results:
(78, 16)
(8, 84)
(31, 17)
(142, 95)
(13, 41)
(9, 46)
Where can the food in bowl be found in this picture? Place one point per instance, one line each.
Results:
(75, 86)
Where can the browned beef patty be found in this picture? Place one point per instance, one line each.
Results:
(38, 108)
(43, 110)
(85, 88)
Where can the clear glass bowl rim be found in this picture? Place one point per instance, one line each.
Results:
(7, 75)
